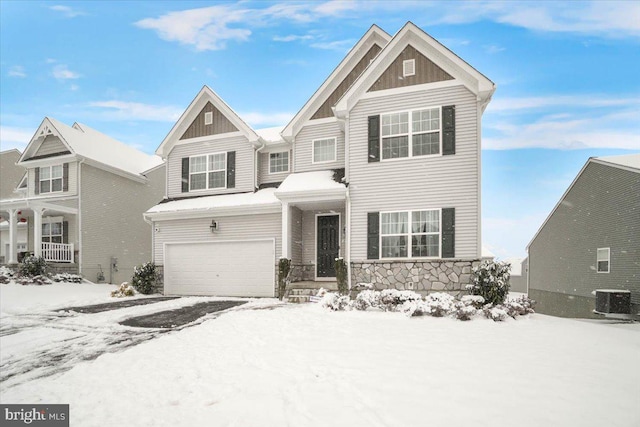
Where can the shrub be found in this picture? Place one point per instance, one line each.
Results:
(284, 272)
(6, 274)
(497, 313)
(393, 299)
(367, 299)
(490, 280)
(67, 277)
(34, 280)
(145, 278)
(33, 266)
(439, 304)
(335, 301)
(124, 290)
(341, 276)
(519, 306)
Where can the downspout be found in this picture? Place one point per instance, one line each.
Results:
(255, 165)
(348, 201)
(79, 227)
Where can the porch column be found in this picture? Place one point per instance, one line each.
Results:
(37, 231)
(285, 230)
(13, 236)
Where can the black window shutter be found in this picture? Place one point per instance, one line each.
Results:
(449, 130)
(65, 177)
(37, 185)
(374, 139)
(448, 232)
(65, 231)
(231, 169)
(185, 174)
(373, 235)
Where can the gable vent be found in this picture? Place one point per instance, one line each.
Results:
(409, 67)
(208, 118)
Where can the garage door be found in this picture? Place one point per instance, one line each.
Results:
(234, 268)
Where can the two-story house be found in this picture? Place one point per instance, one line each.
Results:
(81, 201)
(381, 167)
(11, 176)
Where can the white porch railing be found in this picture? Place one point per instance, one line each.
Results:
(57, 252)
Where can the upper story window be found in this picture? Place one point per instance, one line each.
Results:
(279, 162)
(603, 258)
(209, 171)
(50, 179)
(409, 67)
(324, 150)
(410, 234)
(411, 133)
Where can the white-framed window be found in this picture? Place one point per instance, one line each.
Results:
(410, 234)
(411, 133)
(603, 258)
(408, 67)
(52, 232)
(208, 118)
(50, 179)
(279, 162)
(324, 150)
(208, 171)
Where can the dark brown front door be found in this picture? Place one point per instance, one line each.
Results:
(328, 245)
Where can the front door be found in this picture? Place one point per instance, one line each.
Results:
(328, 245)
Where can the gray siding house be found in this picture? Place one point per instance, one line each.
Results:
(82, 200)
(381, 167)
(11, 179)
(591, 240)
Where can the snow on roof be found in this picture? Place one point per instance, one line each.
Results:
(262, 197)
(628, 160)
(486, 253)
(88, 142)
(271, 134)
(309, 181)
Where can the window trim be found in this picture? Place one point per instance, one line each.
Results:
(50, 179)
(207, 171)
(50, 222)
(208, 118)
(404, 67)
(410, 134)
(335, 150)
(598, 260)
(288, 162)
(410, 234)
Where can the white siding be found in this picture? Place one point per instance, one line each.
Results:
(304, 147)
(417, 183)
(309, 234)
(263, 170)
(51, 145)
(244, 165)
(241, 227)
(73, 182)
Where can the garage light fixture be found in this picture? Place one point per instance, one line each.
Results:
(214, 226)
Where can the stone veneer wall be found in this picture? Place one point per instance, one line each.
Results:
(449, 276)
(302, 272)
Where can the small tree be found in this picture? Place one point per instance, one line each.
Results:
(490, 280)
(284, 270)
(145, 278)
(33, 266)
(341, 276)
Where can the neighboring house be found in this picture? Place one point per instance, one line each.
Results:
(518, 279)
(591, 240)
(381, 167)
(82, 201)
(11, 176)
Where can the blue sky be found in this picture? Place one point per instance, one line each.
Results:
(566, 74)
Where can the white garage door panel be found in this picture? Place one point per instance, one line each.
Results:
(239, 268)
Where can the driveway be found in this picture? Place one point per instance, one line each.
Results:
(46, 343)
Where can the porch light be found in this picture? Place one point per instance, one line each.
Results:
(214, 226)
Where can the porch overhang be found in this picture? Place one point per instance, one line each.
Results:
(35, 204)
(311, 188)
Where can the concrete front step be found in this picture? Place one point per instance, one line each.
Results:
(299, 299)
(301, 292)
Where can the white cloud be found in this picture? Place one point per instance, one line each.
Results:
(67, 11)
(74, 87)
(17, 71)
(544, 102)
(62, 72)
(292, 37)
(258, 120)
(339, 45)
(14, 137)
(493, 49)
(121, 110)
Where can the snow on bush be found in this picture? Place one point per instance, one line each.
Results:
(33, 266)
(6, 274)
(393, 299)
(497, 313)
(367, 299)
(335, 301)
(145, 278)
(66, 277)
(361, 286)
(520, 306)
(439, 304)
(124, 290)
(34, 280)
(490, 280)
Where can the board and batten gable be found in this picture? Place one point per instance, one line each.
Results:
(244, 164)
(303, 155)
(600, 210)
(239, 227)
(415, 183)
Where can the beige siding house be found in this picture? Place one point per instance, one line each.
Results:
(82, 202)
(381, 167)
(12, 182)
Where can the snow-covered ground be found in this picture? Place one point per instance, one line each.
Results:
(263, 364)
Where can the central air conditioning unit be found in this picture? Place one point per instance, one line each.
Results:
(613, 301)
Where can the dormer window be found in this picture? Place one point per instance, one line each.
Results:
(50, 179)
(208, 118)
(409, 67)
